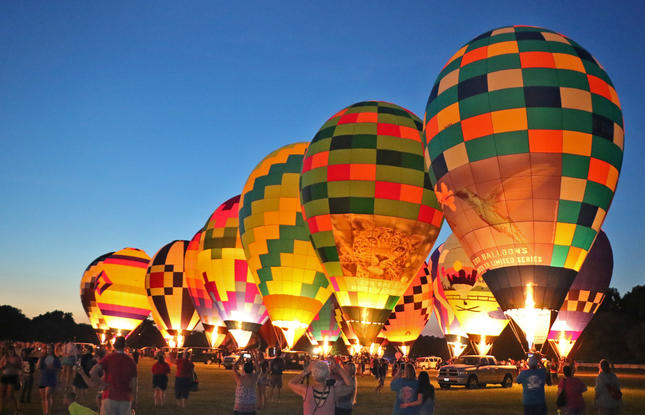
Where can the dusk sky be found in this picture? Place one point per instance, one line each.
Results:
(128, 123)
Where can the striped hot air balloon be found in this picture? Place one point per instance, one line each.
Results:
(113, 293)
(277, 245)
(524, 135)
(370, 208)
(214, 326)
(454, 334)
(228, 281)
(172, 308)
(324, 330)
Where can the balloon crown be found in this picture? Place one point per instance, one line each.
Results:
(461, 277)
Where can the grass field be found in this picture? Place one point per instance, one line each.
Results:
(217, 389)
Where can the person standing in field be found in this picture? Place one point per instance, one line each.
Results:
(319, 398)
(27, 376)
(532, 381)
(120, 384)
(70, 353)
(49, 365)
(406, 386)
(84, 363)
(245, 386)
(11, 366)
(263, 380)
(573, 389)
(425, 396)
(183, 378)
(608, 396)
(276, 367)
(160, 372)
(345, 403)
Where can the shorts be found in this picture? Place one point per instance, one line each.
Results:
(539, 409)
(11, 380)
(276, 381)
(160, 381)
(111, 407)
(68, 361)
(182, 387)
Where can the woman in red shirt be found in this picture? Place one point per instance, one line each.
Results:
(573, 388)
(183, 378)
(160, 372)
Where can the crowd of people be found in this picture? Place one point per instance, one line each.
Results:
(326, 386)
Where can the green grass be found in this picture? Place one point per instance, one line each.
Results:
(217, 389)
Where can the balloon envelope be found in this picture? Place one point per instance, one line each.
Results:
(371, 211)
(584, 297)
(228, 281)
(324, 327)
(474, 305)
(214, 326)
(411, 313)
(113, 290)
(172, 308)
(524, 136)
(276, 243)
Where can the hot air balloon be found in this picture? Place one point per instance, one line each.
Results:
(524, 136)
(474, 305)
(411, 313)
(229, 282)
(584, 297)
(277, 246)
(113, 294)
(371, 211)
(172, 309)
(455, 336)
(324, 330)
(214, 326)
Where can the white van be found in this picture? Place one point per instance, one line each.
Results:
(428, 362)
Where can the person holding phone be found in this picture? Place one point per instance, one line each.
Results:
(246, 383)
(320, 397)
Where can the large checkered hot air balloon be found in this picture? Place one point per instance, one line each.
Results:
(371, 211)
(455, 335)
(411, 313)
(584, 296)
(172, 308)
(214, 326)
(473, 303)
(228, 281)
(524, 136)
(113, 293)
(277, 246)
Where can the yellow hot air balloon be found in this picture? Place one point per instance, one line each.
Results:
(113, 292)
(277, 246)
(228, 281)
(474, 304)
(371, 211)
(214, 326)
(165, 284)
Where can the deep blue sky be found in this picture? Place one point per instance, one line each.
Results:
(128, 123)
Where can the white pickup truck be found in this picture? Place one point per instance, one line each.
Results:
(476, 371)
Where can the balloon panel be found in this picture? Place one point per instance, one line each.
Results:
(276, 242)
(446, 318)
(587, 291)
(172, 307)
(88, 293)
(371, 211)
(474, 304)
(411, 313)
(225, 271)
(119, 288)
(324, 326)
(524, 137)
(202, 302)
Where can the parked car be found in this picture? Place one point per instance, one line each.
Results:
(429, 362)
(230, 360)
(203, 354)
(476, 371)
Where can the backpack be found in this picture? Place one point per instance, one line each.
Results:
(561, 401)
(614, 391)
